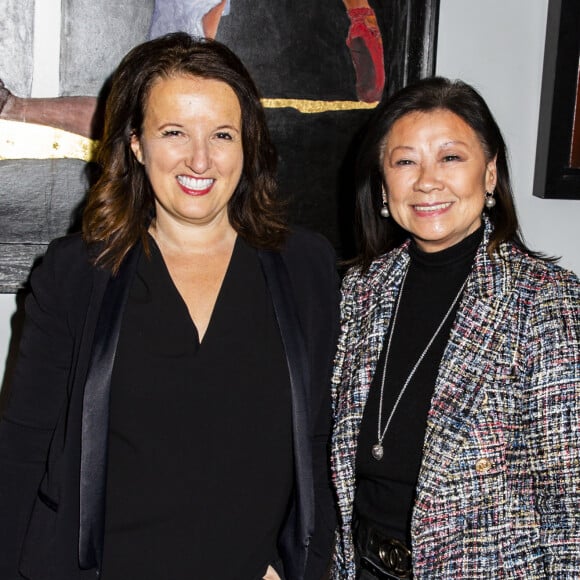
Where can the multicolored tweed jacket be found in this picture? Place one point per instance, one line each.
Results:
(498, 494)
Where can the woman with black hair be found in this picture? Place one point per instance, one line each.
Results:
(456, 385)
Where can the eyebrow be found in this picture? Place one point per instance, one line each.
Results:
(457, 142)
(233, 127)
(182, 125)
(405, 147)
(170, 124)
(445, 145)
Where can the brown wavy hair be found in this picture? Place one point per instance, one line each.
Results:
(377, 235)
(120, 205)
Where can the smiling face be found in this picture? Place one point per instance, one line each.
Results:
(191, 148)
(436, 175)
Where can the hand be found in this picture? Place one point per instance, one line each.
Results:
(271, 574)
(5, 94)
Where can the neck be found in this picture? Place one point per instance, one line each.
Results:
(185, 239)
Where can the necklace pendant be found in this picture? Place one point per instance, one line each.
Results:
(377, 451)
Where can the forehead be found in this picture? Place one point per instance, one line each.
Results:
(438, 122)
(182, 91)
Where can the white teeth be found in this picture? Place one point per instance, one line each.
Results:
(194, 183)
(428, 208)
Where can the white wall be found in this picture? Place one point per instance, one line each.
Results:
(498, 46)
(7, 309)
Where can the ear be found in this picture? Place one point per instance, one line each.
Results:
(136, 148)
(491, 175)
(384, 194)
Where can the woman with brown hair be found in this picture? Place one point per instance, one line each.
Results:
(170, 411)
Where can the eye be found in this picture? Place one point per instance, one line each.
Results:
(224, 135)
(172, 133)
(403, 162)
(451, 158)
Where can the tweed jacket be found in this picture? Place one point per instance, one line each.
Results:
(498, 493)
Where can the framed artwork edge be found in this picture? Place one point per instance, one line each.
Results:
(555, 177)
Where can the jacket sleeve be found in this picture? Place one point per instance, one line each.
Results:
(312, 262)
(37, 396)
(342, 468)
(552, 403)
(320, 549)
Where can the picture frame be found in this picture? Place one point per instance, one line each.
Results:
(557, 169)
(42, 195)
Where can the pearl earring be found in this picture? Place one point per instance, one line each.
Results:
(385, 210)
(489, 200)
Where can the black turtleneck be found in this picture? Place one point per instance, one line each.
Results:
(386, 488)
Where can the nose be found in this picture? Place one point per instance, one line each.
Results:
(198, 157)
(427, 178)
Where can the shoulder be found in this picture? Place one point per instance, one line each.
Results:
(65, 267)
(358, 281)
(310, 261)
(547, 297)
(307, 245)
(68, 249)
(539, 278)
(309, 256)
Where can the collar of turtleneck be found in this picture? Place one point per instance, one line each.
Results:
(463, 251)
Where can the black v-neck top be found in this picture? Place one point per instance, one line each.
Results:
(386, 489)
(200, 467)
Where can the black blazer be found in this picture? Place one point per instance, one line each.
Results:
(53, 435)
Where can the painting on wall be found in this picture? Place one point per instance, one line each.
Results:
(557, 174)
(321, 67)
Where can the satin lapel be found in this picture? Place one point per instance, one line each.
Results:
(95, 415)
(278, 281)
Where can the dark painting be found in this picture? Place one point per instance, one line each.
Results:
(320, 68)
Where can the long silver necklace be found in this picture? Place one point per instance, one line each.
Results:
(377, 450)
